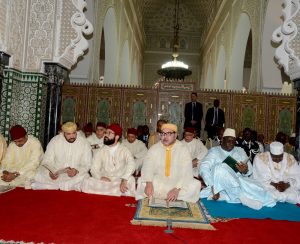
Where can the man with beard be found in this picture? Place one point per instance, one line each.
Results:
(167, 170)
(112, 167)
(23, 156)
(230, 181)
(66, 161)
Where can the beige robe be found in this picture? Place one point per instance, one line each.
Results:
(24, 160)
(115, 163)
(138, 150)
(181, 174)
(266, 171)
(198, 151)
(61, 154)
(94, 140)
(3, 147)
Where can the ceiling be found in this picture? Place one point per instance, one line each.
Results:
(158, 15)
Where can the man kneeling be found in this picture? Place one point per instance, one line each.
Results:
(112, 167)
(167, 171)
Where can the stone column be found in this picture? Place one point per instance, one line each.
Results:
(4, 60)
(57, 75)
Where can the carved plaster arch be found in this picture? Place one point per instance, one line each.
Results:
(238, 52)
(124, 64)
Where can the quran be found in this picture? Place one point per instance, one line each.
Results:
(231, 162)
(163, 203)
(56, 172)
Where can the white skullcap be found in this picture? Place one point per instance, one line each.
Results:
(229, 132)
(276, 148)
(293, 135)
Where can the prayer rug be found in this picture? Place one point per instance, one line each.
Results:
(282, 211)
(193, 217)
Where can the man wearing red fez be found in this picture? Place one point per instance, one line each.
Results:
(196, 148)
(136, 147)
(96, 140)
(22, 158)
(66, 162)
(167, 173)
(112, 167)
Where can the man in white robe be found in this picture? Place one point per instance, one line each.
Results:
(96, 140)
(136, 147)
(3, 147)
(196, 148)
(65, 151)
(232, 184)
(167, 170)
(23, 156)
(279, 173)
(112, 167)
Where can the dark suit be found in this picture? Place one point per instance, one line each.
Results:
(210, 124)
(191, 113)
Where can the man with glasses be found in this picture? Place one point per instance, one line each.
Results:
(167, 171)
(112, 167)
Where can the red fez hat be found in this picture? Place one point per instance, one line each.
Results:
(189, 129)
(88, 128)
(101, 124)
(17, 132)
(132, 131)
(115, 128)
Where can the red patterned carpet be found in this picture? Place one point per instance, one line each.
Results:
(74, 217)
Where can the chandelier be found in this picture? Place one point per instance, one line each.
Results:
(175, 69)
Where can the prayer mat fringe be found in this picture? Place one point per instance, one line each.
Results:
(174, 224)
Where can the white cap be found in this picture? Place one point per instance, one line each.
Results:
(276, 148)
(229, 132)
(293, 135)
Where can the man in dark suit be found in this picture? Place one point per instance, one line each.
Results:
(193, 114)
(214, 118)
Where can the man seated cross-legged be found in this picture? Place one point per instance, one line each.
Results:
(279, 173)
(112, 167)
(230, 181)
(167, 170)
(66, 161)
(23, 156)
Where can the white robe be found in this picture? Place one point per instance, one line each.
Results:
(266, 171)
(138, 150)
(3, 147)
(115, 163)
(198, 151)
(94, 140)
(61, 154)
(181, 173)
(233, 187)
(24, 160)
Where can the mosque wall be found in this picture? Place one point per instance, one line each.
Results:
(130, 106)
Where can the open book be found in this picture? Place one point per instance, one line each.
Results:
(162, 203)
(55, 172)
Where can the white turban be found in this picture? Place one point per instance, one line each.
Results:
(229, 132)
(276, 148)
